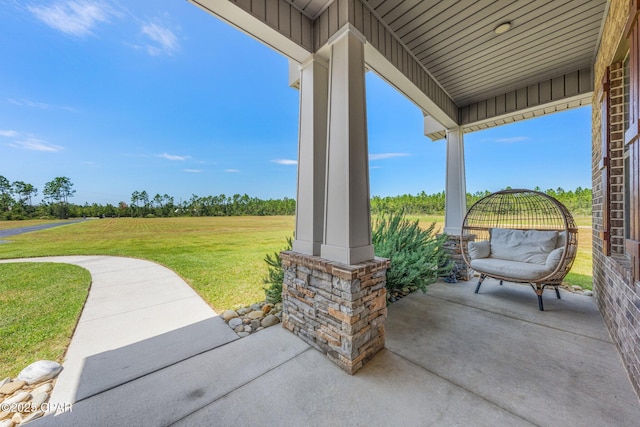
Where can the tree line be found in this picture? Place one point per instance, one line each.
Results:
(16, 203)
(578, 201)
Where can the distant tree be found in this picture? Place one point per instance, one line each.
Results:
(58, 192)
(24, 191)
(6, 192)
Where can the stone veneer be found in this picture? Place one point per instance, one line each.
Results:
(338, 309)
(617, 294)
(453, 247)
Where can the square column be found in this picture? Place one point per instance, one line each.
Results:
(312, 147)
(455, 207)
(347, 227)
(338, 309)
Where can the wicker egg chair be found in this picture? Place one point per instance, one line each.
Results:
(518, 215)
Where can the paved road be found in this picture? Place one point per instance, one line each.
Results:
(21, 230)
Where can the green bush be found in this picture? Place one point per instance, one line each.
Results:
(275, 275)
(417, 255)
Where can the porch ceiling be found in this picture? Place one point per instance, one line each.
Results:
(456, 44)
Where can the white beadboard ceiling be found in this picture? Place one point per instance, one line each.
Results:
(455, 42)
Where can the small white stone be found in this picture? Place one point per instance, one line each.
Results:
(4, 381)
(248, 328)
(6, 423)
(38, 399)
(239, 328)
(40, 371)
(17, 418)
(588, 293)
(17, 398)
(243, 334)
(44, 388)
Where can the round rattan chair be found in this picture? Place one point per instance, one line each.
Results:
(520, 212)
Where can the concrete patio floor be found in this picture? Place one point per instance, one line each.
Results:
(452, 358)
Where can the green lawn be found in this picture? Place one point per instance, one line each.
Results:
(220, 257)
(40, 305)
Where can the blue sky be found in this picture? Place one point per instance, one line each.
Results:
(160, 96)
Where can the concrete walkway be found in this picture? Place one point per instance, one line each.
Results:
(149, 352)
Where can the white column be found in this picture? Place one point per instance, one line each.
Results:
(347, 229)
(456, 185)
(312, 147)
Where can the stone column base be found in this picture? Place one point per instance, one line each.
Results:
(338, 309)
(453, 248)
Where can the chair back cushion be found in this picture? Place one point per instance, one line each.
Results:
(533, 246)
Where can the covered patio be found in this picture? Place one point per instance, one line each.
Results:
(467, 66)
(451, 358)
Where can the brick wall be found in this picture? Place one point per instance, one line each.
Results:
(616, 293)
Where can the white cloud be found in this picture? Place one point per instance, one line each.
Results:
(173, 157)
(193, 170)
(232, 170)
(28, 103)
(35, 104)
(36, 144)
(382, 156)
(163, 40)
(286, 162)
(513, 139)
(74, 17)
(9, 133)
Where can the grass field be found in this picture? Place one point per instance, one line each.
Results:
(40, 306)
(220, 257)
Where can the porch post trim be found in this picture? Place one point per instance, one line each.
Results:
(456, 185)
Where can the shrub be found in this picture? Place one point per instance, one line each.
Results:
(417, 255)
(275, 275)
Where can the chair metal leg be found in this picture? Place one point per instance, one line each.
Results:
(482, 277)
(557, 292)
(539, 288)
(500, 282)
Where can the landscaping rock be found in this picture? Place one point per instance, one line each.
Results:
(270, 320)
(11, 387)
(38, 399)
(6, 423)
(46, 388)
(254, 318)
(258, 314)
(17, 398)
(235, 322)
(4, 381)
(229, 314)
(39, 371)
(588, 293)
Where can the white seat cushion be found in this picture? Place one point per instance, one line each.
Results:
(516, 270)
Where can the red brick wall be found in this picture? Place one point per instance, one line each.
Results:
(616, 293)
